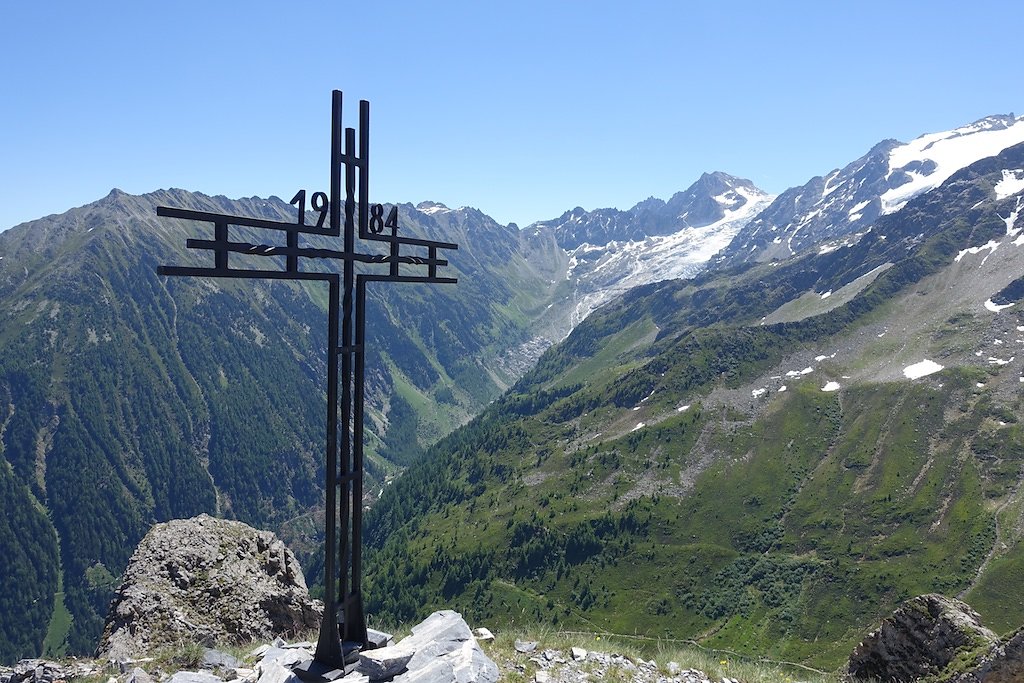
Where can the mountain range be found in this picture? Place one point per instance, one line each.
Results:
(668, 423)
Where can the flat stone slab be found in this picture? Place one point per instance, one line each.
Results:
(384, 663)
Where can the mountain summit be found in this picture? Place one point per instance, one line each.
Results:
(611, 251)
(706, 201)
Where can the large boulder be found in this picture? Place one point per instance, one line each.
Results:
(206, 580)
(922, 636)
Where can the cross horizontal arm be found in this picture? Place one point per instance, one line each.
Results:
(274, 250)
(415, 241)
(240, 273)
(408, 278)
(208, 217)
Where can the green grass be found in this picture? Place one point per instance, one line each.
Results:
(610, 355)
(717, 664)
(56, 642)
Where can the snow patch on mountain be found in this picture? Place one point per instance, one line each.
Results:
(991, 245)
(929, 160)
(994, 307)
(1012, 231)
(922, 369)
(1011, 184)
(431, 208)
(1011, 220)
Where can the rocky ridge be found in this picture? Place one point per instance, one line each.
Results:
(464, 661)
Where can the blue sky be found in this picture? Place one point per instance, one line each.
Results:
(522, 109)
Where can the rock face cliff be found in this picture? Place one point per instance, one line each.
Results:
(206, 580)
(935, 638)
(921, 637)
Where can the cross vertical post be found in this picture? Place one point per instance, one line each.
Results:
(340, 640)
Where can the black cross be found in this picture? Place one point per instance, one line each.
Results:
(334, 648)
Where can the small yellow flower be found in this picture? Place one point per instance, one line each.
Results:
(724, 662)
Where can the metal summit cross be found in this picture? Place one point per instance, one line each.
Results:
(338, 645)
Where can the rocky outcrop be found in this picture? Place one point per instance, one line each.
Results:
(210, 581)
(1004, 663)
(922, 637)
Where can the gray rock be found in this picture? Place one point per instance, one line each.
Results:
(195, 677)
(206, 580)
(45, 671)
(139, 676)
(379, 638)
(384, 663)
(258, 652)
(215, 659)
(525, 646)
(286, 658)
(921, 637)
(483, 635)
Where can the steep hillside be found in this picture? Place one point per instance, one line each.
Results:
(767, 458)
(128, 398)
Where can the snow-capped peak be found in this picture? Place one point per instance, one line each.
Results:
(928, 161)
(431, 208)
(847, 201)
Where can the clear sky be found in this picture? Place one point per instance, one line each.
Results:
(522, 109)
